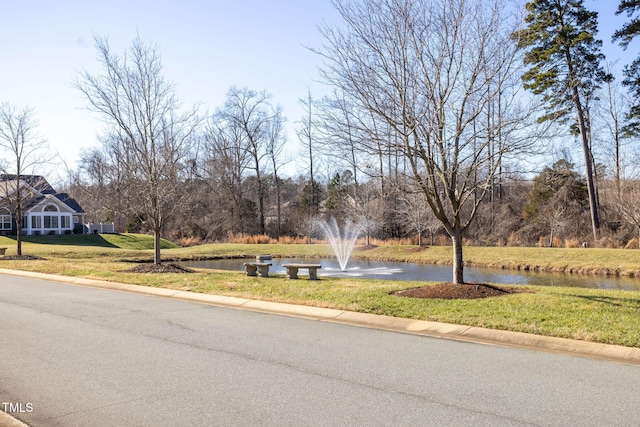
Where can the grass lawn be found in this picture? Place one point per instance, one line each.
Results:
(607, 316)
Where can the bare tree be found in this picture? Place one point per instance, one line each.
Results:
(427, 69)
(252, 113)
(275, 145)
(306, 137)
(22, 149)
(226, 161)
(147, 137)
(417, 216)
(627, 203)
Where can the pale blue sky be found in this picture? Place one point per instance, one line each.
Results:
(206, 47)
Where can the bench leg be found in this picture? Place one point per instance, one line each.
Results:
(292, 273)
(313, 274)
(263, 270)
(251, 270)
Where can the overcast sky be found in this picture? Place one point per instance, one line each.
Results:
(206, 47)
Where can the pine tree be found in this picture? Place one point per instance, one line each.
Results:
(564, 59)
(632, 71)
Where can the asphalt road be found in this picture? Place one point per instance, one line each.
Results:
(79, 356)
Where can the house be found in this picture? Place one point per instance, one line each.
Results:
(45, 210)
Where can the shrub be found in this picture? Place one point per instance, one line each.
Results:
(572, 243)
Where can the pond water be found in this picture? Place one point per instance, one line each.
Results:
(427, 272)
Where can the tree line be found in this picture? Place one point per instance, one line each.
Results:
(436, 112)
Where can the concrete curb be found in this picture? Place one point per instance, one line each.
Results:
(628, 355)
(7, 420)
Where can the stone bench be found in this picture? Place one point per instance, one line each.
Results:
(292, 270)
(3, 251)
(253, 268)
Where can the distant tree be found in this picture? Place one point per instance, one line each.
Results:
(564, 67)
(556, 197)
(306, 136)
(225, 164)
(22, 150)
(147, 138)
(367, 209)
(275, 144)
(614, 103)
(417, 217)
(624, 36)
(627, 203)
(253, 116)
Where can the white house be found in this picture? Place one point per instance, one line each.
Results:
(45, 210)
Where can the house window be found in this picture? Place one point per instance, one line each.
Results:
(65, 222)
(50, 208)
(5, 219)
(50, 221)
(36, 222)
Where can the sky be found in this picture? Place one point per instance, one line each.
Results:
(206, 46)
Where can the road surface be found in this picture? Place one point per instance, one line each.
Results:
(79, 356)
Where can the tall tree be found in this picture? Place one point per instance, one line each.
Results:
(631, 71)
(147, 138)
(306, 137)
(252, 113)
(275, 144)
(425, 70)
(22, 149)
(564, 60)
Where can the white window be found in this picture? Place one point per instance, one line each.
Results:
(36, 222)
(5, 219)
(65, 222)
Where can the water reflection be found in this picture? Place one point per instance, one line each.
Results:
(437, 273)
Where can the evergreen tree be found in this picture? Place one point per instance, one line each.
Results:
(632, 71)
(564, 68)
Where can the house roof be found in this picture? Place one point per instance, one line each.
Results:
(67, 200)
(40, 185)
(37, 182)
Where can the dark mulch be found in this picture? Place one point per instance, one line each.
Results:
(452, 291)
(21, 257)
(158, 268)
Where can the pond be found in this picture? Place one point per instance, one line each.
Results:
(436, 273)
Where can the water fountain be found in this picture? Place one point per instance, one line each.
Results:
(341, 242)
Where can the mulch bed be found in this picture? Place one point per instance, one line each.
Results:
(158, 268)
(450, 290)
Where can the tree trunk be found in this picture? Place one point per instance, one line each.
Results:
(19, 225)
(156, 247)
(458, 263)
(595, 220)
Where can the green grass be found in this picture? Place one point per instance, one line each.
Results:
(607, 316)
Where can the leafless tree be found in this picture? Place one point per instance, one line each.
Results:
(427, 69)
(226, 161)
(306, 135)
(22, 150)
(147, 136)
(417, 216)
(627, 203)
(275, 144)
(252, 113)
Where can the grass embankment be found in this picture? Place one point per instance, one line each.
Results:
(608, 316)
